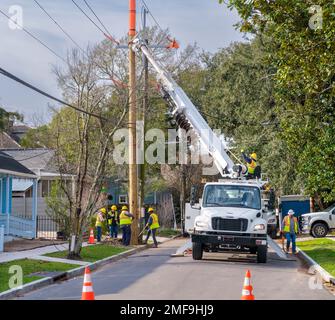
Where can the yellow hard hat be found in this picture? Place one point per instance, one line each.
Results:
(151, 210)
(103, 210)
(124, 208)
(114, 207)
(254, 156)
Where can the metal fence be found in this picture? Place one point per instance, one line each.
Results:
(50, 228)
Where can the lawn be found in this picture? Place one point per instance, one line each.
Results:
(28, 267)
(168, 233)
(92, 253)
(322, 251)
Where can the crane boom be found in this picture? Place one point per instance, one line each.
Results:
(185, 112)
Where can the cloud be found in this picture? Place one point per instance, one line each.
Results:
(205, 22)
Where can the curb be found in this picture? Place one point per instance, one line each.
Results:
(326, 276)
(13, 293)
(77, 272)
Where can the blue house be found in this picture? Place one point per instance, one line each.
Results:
(14, 225)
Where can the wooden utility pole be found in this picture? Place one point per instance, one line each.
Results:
(133, 185)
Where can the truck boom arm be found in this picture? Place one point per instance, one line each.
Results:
(186, 113)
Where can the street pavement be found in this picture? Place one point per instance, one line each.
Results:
(153, 275)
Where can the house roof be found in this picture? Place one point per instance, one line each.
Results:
(8, 165)
(7, 142)
(37, 160)
(20, 185)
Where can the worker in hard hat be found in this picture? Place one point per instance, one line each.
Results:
(113, 221)
(251, 164)
(126, 219)
(153, 225)
(290, 229)
(98, 223)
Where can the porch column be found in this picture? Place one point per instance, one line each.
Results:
(8, 199)
(34, 208)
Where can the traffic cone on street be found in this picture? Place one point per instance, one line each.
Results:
(88, 293)
(247, 293)
(91, 239)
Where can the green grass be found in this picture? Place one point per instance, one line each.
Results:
(92, 253)
(168, 233)
(28, 267)
(322, 251)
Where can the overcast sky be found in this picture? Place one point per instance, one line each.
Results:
(203, 21)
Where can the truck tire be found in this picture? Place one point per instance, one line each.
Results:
(319, 230)
(262, 254)
(197, 251)
(253, 250)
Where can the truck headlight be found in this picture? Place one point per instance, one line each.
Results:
(259, 227)
(201, 224)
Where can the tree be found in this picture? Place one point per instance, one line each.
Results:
(302, 37)
(7, 117)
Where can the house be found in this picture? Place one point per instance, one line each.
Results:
(42, 162)
(14, 225)
(7, 142)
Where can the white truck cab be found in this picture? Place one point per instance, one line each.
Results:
(319, 224)
(232, 216)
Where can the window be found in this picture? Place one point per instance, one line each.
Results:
(123, 199)
(45, 188)
(232, 196)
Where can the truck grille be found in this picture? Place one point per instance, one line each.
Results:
(230, 224)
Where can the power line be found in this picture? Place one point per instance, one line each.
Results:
(28, 85)
(33, 36)
(58, 25)
(103, 26)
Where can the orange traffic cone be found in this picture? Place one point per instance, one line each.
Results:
(88, 293)
(247, 293)
(91, 239)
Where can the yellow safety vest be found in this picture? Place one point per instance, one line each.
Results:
(111, 214)
(155, 224)
(252, 166)
(124, 219)
(98, 222)
(287, 223)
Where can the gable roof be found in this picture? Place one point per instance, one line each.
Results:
(35, 160)
(8, 165)
(7, 142)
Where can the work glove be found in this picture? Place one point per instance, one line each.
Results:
(242, 150)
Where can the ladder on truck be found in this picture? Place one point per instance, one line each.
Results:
(185, 112)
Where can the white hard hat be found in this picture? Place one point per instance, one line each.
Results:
(291, 212)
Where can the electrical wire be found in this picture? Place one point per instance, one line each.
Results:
(58, 25)
(103, 26)
(28, 85)
(33, 36)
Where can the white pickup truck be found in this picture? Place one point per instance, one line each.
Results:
(319, 224)
(230, 216)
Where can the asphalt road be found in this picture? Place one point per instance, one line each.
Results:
(153, 274)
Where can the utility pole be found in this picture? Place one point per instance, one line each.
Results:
(133, 184)
(141, 167)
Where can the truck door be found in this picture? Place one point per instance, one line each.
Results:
(190, 214)
(332, 219)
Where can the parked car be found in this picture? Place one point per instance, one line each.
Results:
(319, 224)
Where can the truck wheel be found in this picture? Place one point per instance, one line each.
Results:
(319, 230)
(262, 254)
(253, 250)
(197, 251)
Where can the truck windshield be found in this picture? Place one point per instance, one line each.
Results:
(232, 196)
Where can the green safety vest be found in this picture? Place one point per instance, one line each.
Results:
(287, 223)
(111, 213)
(155, 224)
(252, 166)
(124, 219)
(98, 222)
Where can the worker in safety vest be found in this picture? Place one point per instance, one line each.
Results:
(98, 223)
(251, 163)
(113, 221)
(290, 229)
(126, 219)
(153, 225)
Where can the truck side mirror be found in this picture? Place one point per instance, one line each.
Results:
(193, 199)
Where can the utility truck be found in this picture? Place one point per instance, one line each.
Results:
(232, 214)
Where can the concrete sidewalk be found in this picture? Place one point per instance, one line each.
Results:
(38, 253)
